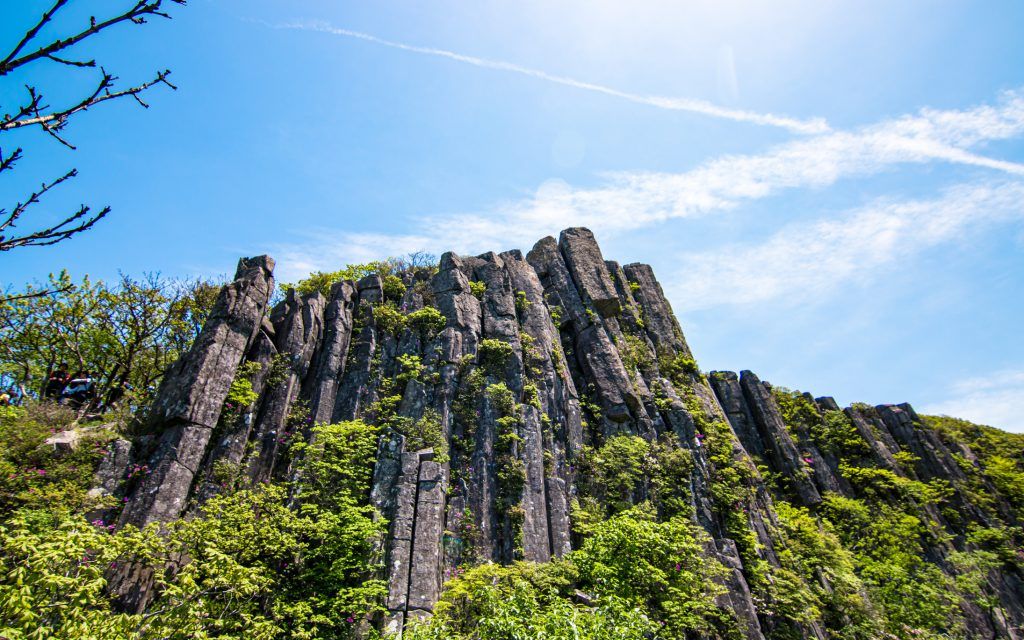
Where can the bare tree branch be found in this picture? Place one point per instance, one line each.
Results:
(8, 162)
(52, 122)
(75, 223)
(31, 33)
(35, 112)
(136, 15)
(32, 199)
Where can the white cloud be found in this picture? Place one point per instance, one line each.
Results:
(634, 200)
(995, 400)
(803, 262)
(812, 126)
(637, 199)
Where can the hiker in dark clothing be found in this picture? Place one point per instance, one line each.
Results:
(56, 382)
(80, 390)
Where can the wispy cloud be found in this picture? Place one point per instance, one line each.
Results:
(638, 199)
(994, 400)
(810, 126)
(634, 200)
(807, 261)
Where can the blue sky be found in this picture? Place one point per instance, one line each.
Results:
(832, 196)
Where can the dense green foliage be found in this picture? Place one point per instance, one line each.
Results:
(260, 564)
(897, 552)
(641, 578)
(126, 333)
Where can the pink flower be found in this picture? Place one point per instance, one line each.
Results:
(349, 620)
(41, 472)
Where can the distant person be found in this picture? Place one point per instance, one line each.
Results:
(56, 382)
(80, 390)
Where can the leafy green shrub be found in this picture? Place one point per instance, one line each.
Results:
(411, 365)
(493, 354)
(426, 433)
(323, 280)
(393, 287)
(256, 569)
(677, 367)
(635, 353)
(427, 320)
(240, 394)
(646, 580)
(836, 434)
(796, 409)
(388, 318)
(658, 567)
(34, 477)
(522, 304)
(525, 600)
(813, 550)
(915, 597)
(477, 288)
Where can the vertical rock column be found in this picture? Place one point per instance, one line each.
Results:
(185, 414)
(191, 396)
(576, 292)
(547, 494)
(298, 323)
(415, 552)
(330, 361)
(778, 444)
(353, 391)
(660, 323)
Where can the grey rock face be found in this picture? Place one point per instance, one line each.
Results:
(737, 596)
(298, 323)
(112, 469)
(779, 445)
(726, 385)
(583, 257)
(560, 292)
(189, 401)
(415, 542)
(603, 368)
(333, 351)
(660, 322)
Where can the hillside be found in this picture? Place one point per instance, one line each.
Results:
(499, 446)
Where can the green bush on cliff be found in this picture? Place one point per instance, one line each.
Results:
(640, 578)
(493, 354)
(427, 320)
(260, 564)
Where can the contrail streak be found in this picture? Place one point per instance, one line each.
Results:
(812, 126)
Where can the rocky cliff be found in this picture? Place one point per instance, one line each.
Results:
(498, 381)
